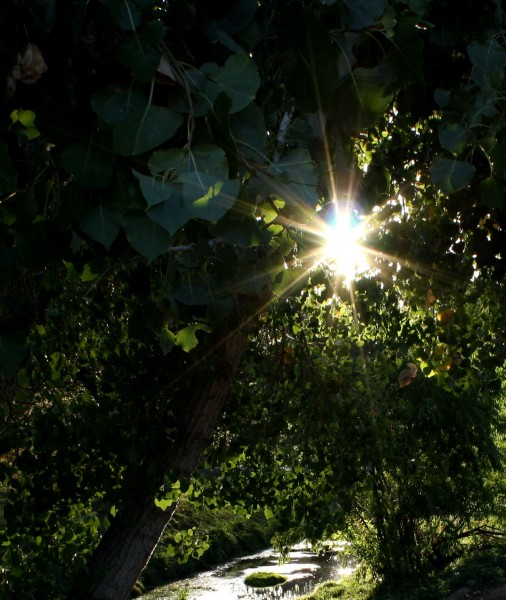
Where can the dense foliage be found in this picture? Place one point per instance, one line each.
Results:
(163, 166)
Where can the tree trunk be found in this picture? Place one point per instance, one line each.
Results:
(133, 534)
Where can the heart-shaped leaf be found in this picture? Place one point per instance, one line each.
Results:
(145, 129)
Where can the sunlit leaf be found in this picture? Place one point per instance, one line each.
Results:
(167, 340)
(291, 282)
(207, 198)
(186, 338)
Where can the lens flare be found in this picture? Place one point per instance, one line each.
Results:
(342, 248)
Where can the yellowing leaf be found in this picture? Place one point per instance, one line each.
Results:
(430, 299)
(406, 376)
(445, 316)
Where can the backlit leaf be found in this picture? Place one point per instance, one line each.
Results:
(186, 338)
(207, 198)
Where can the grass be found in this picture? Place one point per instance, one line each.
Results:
(479, 568)
(264, 579)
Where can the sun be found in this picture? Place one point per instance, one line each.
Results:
(342, 242)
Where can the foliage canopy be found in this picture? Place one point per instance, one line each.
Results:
(163, 167)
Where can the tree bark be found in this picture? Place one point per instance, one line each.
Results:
(129, 542)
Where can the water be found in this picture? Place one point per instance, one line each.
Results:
(304, 571)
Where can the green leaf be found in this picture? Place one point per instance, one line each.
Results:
(193, 295)
(268, 514)
(186, 338)
(490, 57)
(498, 157)
(206, 197)
(163, 161)
(407, 52)
(208, 159)
(296, 179)
(101, 224)
(154, 189)
(362, 97)
(453, 137)
(451, 175)
(8, 176)
(172, 213)
(25, 117)
(442, 97)
(239, 79)
(363, 13)
(249, 132)
(145, 236)
(145, 129)
(312, 76)
(127, 13)
(419, 7)
(167, 340)
(113, 104)
(140, 50)
(244, 233)
(492, 193)
(91, 167)
(291, 282)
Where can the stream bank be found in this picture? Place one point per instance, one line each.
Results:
(304, 571)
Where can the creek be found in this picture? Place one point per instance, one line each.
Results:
(226, 582)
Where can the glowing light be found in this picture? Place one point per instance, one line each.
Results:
(343, 251)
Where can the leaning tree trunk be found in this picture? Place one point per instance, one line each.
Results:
(133, 534)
